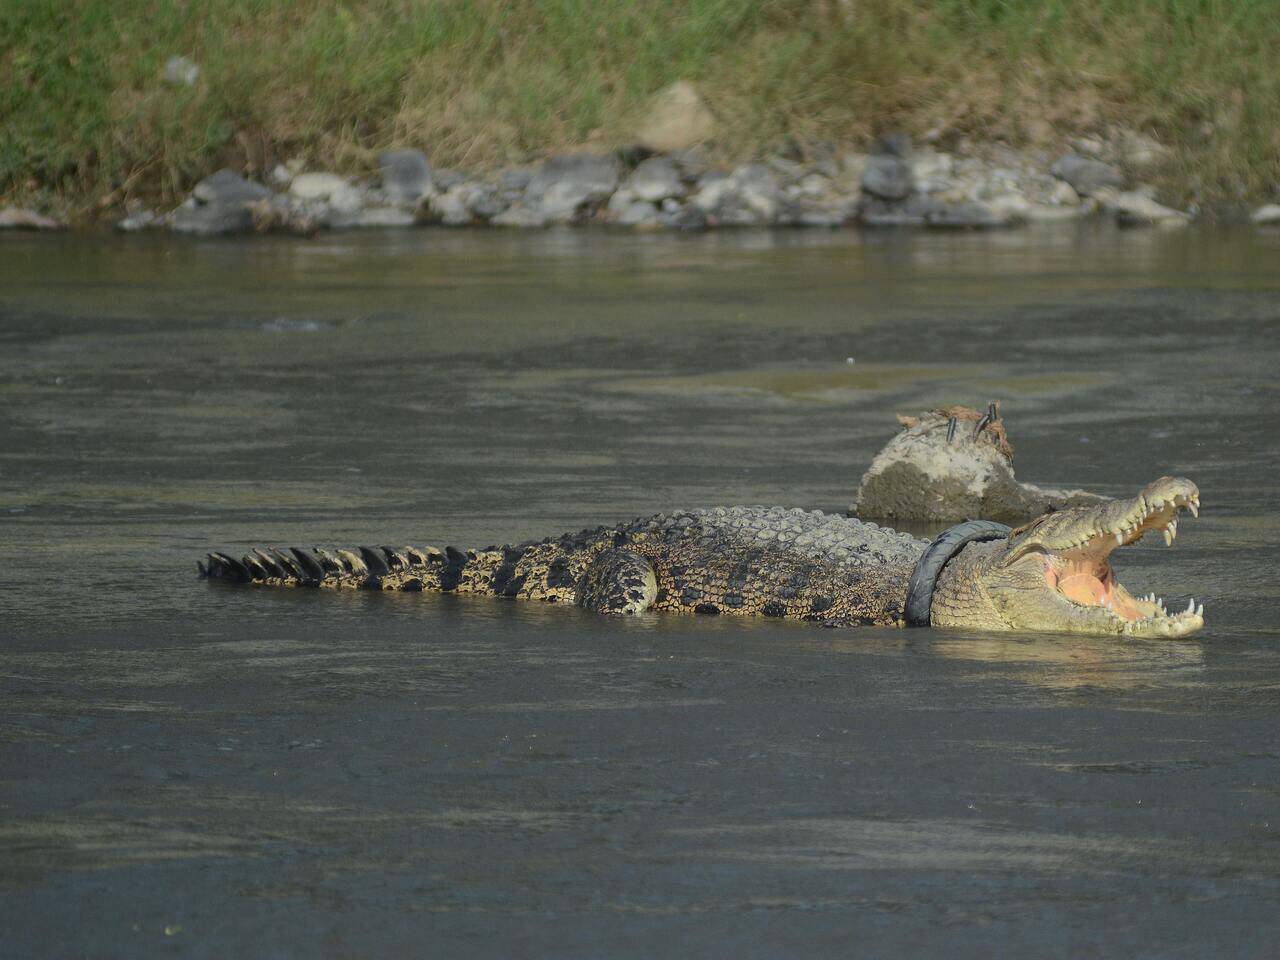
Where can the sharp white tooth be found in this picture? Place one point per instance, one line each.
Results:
(1173, 527)
(1191, 607)
(1168, 537)
(1195, 511)
(1200, 610)
(1119, 539)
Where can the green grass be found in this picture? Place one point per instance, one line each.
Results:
(85, 121)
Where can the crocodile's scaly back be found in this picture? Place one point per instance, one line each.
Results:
(747, 561)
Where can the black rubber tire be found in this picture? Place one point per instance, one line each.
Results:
(929, 567)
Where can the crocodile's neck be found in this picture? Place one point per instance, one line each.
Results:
(959, 598)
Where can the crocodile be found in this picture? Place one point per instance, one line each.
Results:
(1051, 575)
(952, 464)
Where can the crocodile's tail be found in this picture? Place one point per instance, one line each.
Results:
(361, 568)
(548, 570)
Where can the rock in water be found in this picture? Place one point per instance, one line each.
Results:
(222, 202)
(971, 215)
(1134, 209)
(1086, 176)
(677, 119)
(1267, 216)
(934, 471)
(570, 185)
(18, 218)
(406, 176)
(210, 219)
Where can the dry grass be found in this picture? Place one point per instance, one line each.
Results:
(86, 121)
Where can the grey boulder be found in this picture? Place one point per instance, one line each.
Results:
(1086, 176)
(228, 187)
(571, 186)
(211, 219)
(655, 180)
(887, 176)
(406, 176)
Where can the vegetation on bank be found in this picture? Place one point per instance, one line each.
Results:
(86, 122)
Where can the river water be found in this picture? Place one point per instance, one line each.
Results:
(194, 770)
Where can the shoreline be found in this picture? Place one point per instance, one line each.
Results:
(895, 184)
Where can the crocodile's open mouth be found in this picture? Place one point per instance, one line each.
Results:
(1076, 556)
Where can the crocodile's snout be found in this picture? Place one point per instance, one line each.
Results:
(1071, 552)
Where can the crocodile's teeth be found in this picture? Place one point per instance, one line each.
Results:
(1191, 606)
(1168, 537)
(1195, 511)
(1173, 527)
(1119, 539)
(1199, 609)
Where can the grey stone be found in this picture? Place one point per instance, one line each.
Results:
(372, 217)
(811, 185)
(1136, 209)
(466, 203)
(452, 208)
(519, 216)
(139, 220)
(515, 178)
(692, 163)
(711, 189)
(829, 217)
(444, 180)
(1267, 215)
(655, 180)
(489, 203)
(968, 216)
(757, 186)
(317, 186)
(19, 218)
(688, 217)
(348, 199)
(1086, 176)
(887, 176)
(875, 212)
(931, 171)
(406, 176)
(750, 196)
(228, 187)
(180, 72)
(211, 219)
(638, 213)
(571, 185)
(1051, 213)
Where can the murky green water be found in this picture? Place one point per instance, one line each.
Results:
(215, 772)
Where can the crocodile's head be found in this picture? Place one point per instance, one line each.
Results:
(1054, 574)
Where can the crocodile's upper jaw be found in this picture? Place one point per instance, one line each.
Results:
(1055, 573)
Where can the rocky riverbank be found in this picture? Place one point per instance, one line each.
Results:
(896, 183)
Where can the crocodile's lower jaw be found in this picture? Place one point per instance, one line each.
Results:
(1083, 577)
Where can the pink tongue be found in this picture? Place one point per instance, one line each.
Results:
(1082, 588)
